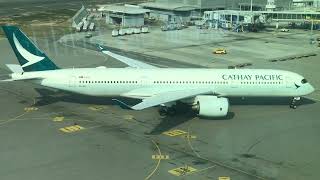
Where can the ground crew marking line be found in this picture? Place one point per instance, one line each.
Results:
(159, 160)
(128, 117)
(71, 129)
(96, 108)
(29, 109)
(58, 119)
(189, 136)
(12, 119)
(182, 171)
(224, 178)
(162, 157)
(175, 132)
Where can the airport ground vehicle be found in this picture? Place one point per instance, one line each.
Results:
(171, 26)
(220, 51)
(284, 30)
(88, 35)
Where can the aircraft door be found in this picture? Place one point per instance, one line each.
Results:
(72, 81)
(145, 81)
(234, 84)
(288, 82)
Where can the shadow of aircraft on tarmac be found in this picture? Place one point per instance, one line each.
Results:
(268, 101)
(49, 96)
(183, 111)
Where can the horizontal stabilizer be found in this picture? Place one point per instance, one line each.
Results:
(20, 79)
(15, 68)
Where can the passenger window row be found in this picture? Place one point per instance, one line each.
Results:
(261, 82)
(172, 82)
(190, 82)
(155, 82)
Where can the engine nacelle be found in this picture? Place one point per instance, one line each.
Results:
(211, 106)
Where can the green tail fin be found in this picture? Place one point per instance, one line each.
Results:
(30, 57)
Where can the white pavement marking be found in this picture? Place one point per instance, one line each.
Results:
(315, 99)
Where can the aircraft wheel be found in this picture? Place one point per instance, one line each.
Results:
(171, 111)
(163, 111)
(293, 106)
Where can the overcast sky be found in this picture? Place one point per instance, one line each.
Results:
(19, 0)
(1, 1)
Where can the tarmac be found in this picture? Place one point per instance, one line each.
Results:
(48, 134)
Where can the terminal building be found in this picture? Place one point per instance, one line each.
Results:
(251, 20)
(185, 10)
(170, 12)
(217, 4)
(125, 16)
(306, 4)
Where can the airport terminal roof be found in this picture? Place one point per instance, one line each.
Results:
(124, 9)
(265, 12)
(169, 6)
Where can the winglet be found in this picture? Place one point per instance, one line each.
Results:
(100, 48)
(122, 104)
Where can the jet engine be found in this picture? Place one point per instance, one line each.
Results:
(211, 106)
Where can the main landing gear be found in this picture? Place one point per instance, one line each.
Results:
(294, 101)
(164, 110)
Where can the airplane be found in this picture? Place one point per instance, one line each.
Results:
(205, 90)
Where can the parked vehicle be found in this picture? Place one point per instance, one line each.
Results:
(92, 26)
(220, 51)
(85, 26)
(88, 35)
(122, 32)
(145, 29)
(115, 32)
(284, 30)
(136, 30)
(171, 26)
(129, 31)
(79, 27)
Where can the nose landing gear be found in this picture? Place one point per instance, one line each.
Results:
(294, 101)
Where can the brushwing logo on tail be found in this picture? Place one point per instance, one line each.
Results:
(31, 58)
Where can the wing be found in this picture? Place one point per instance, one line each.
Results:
(130, 62)
(165, 97)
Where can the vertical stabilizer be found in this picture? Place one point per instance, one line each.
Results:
(30, 57)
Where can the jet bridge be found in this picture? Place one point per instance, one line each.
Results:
(234, 20)
(291, 16)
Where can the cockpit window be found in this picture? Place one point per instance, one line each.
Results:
(303, 81)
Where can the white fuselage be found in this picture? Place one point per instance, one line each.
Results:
(141, 83)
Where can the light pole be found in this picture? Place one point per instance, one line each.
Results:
(251, 6)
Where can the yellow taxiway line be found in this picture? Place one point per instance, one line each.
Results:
(158, 164)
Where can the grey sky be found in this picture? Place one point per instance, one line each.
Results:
(1, 1)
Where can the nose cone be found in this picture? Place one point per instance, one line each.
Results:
(311, 89)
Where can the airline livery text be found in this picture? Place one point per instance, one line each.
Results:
(265, 77)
